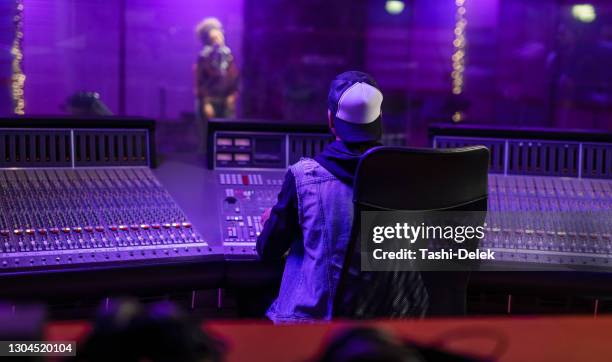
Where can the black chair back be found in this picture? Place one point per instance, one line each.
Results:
(391, 178)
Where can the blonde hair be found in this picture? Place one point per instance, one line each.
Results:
(205, 26)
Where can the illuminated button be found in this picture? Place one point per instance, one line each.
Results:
(78, 229)
(186, 225)
(176, 225)
(144, 226)
(242, 157)
(123, 227)
(224, 157)
(113, 227)
(66, 230)
(167, 225)
(18, 231)
(30, 231)
(242, 142)
(224, 141)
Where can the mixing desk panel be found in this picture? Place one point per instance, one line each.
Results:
(249, 166)
(549, 220)
(56, 217)
(246, 195)
(542, 212)
(78, 197)
(81, 197)
(550, 194)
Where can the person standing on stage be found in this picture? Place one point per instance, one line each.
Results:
(216, 74)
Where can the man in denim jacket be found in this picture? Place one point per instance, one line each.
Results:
(313, 216)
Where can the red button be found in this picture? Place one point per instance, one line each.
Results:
(245, 179)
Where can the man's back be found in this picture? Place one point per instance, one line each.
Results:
(314, 262)
(313, 217)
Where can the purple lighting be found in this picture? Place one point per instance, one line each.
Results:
(73, 46)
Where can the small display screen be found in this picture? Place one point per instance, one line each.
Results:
(224, 156)
(224, 141)
(242, 157)
(242, 142)
(268, 148)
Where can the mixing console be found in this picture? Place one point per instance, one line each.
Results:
(249, 169)
(55, 217)
(550, 220)
(550, 194)
(536, 217)
(246, 196)
(80, 197)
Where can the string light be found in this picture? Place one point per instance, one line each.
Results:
(18, 78)
(458, 58)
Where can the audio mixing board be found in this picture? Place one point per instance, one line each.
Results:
(549, 220)
(54, 217)
(74, 196)
(81, 196)
(249, 169)
(544, 211)
(550, 194)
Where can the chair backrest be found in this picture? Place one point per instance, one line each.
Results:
(392, 178)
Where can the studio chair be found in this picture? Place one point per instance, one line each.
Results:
(391, 178)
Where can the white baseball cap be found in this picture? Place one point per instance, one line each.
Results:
(355, 103)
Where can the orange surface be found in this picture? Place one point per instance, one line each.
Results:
(527, 338)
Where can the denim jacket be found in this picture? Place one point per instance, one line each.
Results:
(314, 262)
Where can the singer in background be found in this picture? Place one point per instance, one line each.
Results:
(216, 74)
